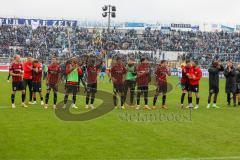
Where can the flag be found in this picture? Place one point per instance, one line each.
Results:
(35, 24)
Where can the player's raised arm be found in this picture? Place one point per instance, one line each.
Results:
(69, 69)
(220, 67)
(212, 69)
(228, 70)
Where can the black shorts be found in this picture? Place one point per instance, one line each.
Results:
(142, 89)
(128, 84)
(118, 88)
(162, 88)
(194, 88)
(54, 87)
(72, 88)
(27, 82)
(185, 86)
(17, 86)
(92, 88)
(213, 89)
(37, 86)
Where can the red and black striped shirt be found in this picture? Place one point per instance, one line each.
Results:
(161, 75)
(92, 72)
(54, 72)
(143, 75)
(16, 68)
(117, 72)
(37, 76)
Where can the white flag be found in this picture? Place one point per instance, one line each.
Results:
(35, 24)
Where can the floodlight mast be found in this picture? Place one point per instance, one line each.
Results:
(110, 12)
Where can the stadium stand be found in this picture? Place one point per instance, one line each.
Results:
(47, 41)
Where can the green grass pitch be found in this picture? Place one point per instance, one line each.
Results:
(37, 133)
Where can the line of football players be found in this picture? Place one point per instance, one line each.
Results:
(124, 78)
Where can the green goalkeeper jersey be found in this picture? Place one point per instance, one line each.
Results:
(73, 76)
(131, 74)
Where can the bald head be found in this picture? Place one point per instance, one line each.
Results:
(17, 58)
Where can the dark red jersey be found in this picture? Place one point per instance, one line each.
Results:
(16, 68)
(37, 76)
(195, 74)
(27, 70)
(92, 72)
(185, 71)
(161, 74)
(143, 74)
(117, 73)
(54, 72)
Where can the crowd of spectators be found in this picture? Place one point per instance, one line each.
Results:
(44, 41)
(25, 40)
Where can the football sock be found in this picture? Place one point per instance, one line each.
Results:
(182, 97)
(209, 98)
(228, 98)
(146, 97)
(23, 97)
(74, 99)
(155, 100)
(190, 100)
(12, 98)
(92, 98)
(197, 100)
(115, 100)
(46, 98)
(65, 99)
(87, 98)
(138, 98)
(234, 98)
(122, 100)
(164, 97)
(54, 98)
